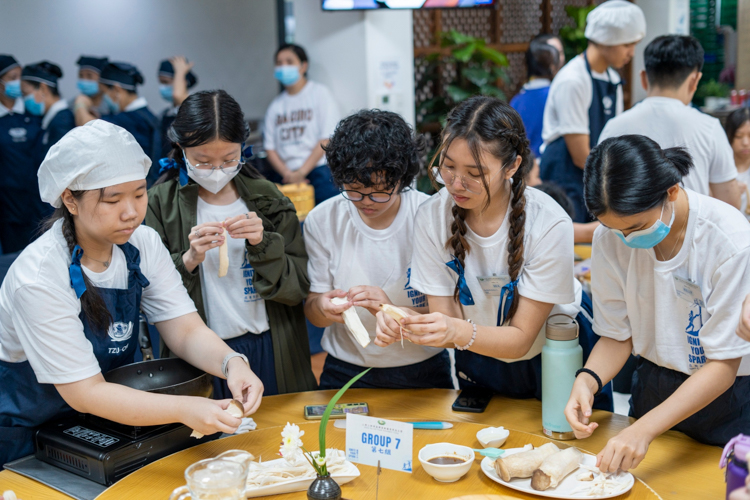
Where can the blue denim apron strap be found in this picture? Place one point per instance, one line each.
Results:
(603, 103)
(507, 296)
(464, 294)
(76, 273)
(717, 423)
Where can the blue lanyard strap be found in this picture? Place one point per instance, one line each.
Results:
(507, 295)
(166, 164)
(464, 294)
(76, 273)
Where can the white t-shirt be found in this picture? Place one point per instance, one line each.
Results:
(744, 177)
(569, 100)
(295, 124)
(635, 295)
(547, 274)
(39, 309)
(345, 252)
(670, 123)
(233, 307)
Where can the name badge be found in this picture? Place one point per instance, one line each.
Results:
(688, 291)
(371, 439)
(491, 285)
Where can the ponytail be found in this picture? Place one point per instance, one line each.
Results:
(92, 304)
(491, 125)
(631, 174)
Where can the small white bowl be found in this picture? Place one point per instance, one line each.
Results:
(492, 437)
(446, 473)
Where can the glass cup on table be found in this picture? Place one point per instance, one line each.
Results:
(213, 479)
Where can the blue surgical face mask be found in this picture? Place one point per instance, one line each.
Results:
(112, 105)
(287, 75)
(166, 92)
(648, 238)
(13, 89)
(33, 107)
(88, 87)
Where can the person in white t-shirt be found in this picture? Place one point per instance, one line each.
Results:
(669, 269)
(207, 195)
(360, 248)
(673, 69)
(737, 127)
(70, 304)
(494, 258)
(298, 124)
(586, 93)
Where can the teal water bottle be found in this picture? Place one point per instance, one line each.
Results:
(562, 357)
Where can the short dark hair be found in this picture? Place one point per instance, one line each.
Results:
(669, 60)
(558, 194)
(541, 57)
(377, 143)
(298, 51)
(735, 120)
(630, 174)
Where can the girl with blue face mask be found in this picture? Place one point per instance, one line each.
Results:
(669, 270)
(89, 71)
(298, 124)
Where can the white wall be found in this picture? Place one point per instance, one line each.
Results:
(662, 17)
(231, 41)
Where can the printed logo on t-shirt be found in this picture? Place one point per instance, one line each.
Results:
(250, 295)
(696, 358)
(292, 124)
(18, 134)
(120, 332)
(418, 299)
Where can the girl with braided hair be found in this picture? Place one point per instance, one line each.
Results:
(493, 257)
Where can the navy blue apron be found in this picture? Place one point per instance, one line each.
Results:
(258, 347)
(523, 379)
(146, 130)
(19, 133)
(557, 165)
(26, 404)
(717, 423)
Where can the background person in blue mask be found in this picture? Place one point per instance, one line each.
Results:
(129, 111)
(669, 270)
(175, 78)
(543, 62)
(585, 94)
(298, 124)
(18, 136)
(41, 95)
(89, 70)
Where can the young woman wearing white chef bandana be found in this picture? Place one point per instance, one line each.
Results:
(70, 303)
(669, 270)
(494, 258)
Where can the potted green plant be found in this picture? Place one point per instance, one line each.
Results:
(573, 37)
(324, 487)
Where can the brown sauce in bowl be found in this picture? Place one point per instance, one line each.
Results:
(447, 460)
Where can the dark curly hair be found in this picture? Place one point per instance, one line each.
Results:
(374, 144)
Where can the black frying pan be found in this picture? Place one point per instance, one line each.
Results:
(164, 376)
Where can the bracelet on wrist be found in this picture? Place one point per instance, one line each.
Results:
(473, 337)
(595, 377)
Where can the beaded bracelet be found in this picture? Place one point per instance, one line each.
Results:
(473, 337)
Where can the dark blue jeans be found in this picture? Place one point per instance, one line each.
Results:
(432, 373)
(259, 352)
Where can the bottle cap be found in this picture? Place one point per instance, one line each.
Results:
(562, 327)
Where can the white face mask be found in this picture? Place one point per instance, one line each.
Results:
(215, 181)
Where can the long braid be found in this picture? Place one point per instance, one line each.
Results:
(457, 242)
(92, 304)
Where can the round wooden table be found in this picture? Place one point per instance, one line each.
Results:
(675, 467)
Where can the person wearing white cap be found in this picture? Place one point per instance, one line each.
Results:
(585, 94)
(70, 303)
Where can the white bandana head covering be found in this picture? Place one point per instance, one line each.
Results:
(96, 155)
(615, 22)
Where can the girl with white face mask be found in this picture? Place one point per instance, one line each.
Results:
(669, 270)
(208, 195)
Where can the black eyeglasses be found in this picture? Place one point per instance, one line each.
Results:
(377, 196)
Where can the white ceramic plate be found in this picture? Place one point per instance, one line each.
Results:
(350, 473)
(563, 489)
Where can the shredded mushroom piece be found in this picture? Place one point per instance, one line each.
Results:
(266, 473)
(603, 483)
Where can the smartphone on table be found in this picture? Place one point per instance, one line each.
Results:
(474, 400)
(315, 412)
